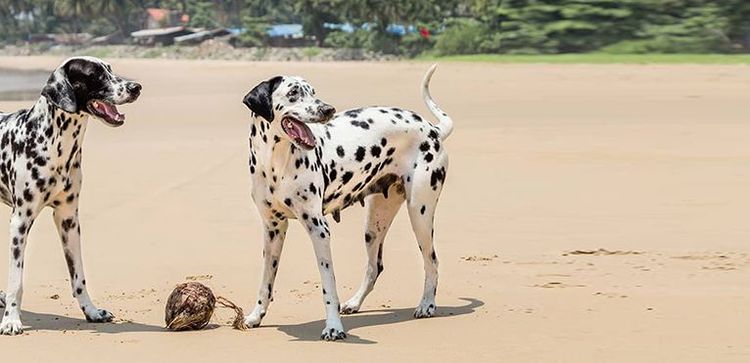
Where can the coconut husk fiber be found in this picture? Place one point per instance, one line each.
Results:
(191, 305)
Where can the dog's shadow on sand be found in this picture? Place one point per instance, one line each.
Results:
(51, 322)
(310, 331)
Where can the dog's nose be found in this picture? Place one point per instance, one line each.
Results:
(327, 110)
(134, 88)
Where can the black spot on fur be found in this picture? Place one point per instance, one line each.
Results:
(360, 154)
(375, 151)
(346, 177)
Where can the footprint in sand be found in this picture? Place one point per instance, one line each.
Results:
(557, 285)
(717, 261)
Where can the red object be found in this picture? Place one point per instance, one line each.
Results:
(424, 32)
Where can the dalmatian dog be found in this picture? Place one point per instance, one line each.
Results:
(40, 166)
(307, 162)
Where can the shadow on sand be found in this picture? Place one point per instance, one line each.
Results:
(310, 331)
(51, 322)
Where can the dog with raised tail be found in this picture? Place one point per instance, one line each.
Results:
(307, 162)
(40, 166)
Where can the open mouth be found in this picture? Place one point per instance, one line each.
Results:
(107, 112)
(299, 132)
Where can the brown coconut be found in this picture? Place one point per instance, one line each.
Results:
(189, 307)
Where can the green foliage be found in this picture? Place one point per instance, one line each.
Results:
(255, 32)
(311, 52)
(414, 44)
(202, 14)
(463, 36)
(457, 26)
(339, 39)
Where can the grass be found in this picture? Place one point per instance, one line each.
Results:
(599, 58)
(311, 52)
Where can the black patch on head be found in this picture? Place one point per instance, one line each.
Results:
(75, 83)
(59, 92)
(259, 99)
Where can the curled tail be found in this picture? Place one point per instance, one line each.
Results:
(445, 123)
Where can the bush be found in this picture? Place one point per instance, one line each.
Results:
(413, 44)
(697, 30)
(255, 32)
(338, 39)
(462, 37)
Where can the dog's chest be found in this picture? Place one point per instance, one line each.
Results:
(37, 158)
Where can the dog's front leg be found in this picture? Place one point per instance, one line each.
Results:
(20, 223)
(317, 227)
(66, 220)
(274, 231)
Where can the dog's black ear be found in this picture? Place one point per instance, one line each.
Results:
(59, 91)
(259, 100)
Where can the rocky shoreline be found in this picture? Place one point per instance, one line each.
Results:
(211, 49)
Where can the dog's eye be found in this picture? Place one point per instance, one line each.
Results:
(292, 93)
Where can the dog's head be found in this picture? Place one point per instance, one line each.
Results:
(87, 84)
(291, 101)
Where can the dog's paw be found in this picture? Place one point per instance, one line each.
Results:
(350, 307)
(253, 319)
(98, 316)
(331, 333)
(11, 326)
(425, 310)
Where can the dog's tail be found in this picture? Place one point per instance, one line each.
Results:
(445, 123)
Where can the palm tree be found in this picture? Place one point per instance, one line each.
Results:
(76, 9)
(119, 13)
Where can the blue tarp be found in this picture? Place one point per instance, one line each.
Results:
(285, 30)
(396, 29)
(295, 30)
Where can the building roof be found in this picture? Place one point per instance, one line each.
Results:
(158, 32)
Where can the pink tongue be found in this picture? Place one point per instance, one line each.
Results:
(110, 111)
(297, 131)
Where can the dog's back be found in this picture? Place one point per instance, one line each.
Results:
(368, 150)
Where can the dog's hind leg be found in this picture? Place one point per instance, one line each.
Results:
(66, 220)
(274, 230)
(380, 214)
(422, 196)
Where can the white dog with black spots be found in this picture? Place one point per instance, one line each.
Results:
(307, 163)
(40, 166)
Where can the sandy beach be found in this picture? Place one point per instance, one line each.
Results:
(591, 214)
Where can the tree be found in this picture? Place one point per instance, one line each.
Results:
(315, 13)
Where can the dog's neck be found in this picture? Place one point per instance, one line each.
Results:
(59, 132)
(270, 149)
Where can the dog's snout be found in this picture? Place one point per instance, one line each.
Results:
(327, 110)
(134, 88)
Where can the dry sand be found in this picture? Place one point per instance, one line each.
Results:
(549, 164)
